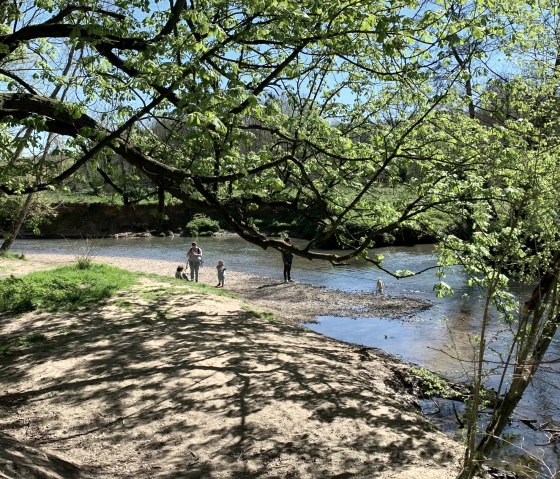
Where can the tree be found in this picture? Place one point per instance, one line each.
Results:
(357, 76)
(303, 106)
(516, 241)
(31, 211)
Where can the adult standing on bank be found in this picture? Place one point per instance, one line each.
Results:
(287, 257)
(194, 256)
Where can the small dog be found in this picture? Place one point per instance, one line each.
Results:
(380, 287)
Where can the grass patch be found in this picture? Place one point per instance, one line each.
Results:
(266, 316)
(253, 313)
(150, 294)
(10, 255)
(23, 342)
(125, 305)
(180, 285)
(63, 289)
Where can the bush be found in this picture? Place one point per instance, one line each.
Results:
(201, 225)
(85, 252)
(432, 384)
(62, 289)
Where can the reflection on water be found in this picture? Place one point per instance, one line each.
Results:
(435, 338)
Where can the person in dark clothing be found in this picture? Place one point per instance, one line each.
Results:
(287, 257)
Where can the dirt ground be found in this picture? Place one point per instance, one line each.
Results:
(167, 382)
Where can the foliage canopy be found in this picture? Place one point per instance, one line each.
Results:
(233, 107)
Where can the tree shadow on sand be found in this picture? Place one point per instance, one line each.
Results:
(176, 385)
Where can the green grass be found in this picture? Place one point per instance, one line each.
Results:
(25, 341)
(83, 198)
(10, 255)
(105, 198)
(179, 285)
(63, 289)
(125, 305)
(432, 384)
(265, 316)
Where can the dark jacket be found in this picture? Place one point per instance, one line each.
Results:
(287, 256)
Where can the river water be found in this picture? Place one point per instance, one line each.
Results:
(433, 339)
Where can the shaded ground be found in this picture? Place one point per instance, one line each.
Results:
(165, 382)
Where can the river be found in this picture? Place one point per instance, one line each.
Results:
(432, 339)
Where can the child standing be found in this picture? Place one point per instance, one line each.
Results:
(221, 274)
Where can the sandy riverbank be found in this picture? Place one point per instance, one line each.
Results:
(296, 302)
(167, 382)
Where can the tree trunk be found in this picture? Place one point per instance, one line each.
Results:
(523, 375)
(16, 226)
(533, 345)
(161, 207)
